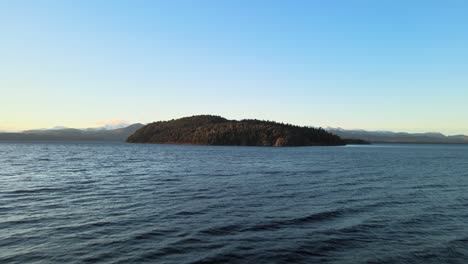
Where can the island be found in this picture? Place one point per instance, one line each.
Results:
(216, 130)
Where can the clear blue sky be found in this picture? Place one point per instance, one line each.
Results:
(383, 65)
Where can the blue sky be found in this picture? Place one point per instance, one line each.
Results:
(379, 65)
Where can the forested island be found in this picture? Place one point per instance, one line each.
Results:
(216, 130)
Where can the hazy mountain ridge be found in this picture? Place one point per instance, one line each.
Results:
(399, 137)
(119, 134)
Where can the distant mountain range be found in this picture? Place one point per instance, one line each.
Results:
(121, 135)
(399, 137)
(74, 134)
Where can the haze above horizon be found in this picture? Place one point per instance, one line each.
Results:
(374, 65)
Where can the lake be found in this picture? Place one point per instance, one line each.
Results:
(65, 202)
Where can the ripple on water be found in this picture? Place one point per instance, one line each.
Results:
(119, 203)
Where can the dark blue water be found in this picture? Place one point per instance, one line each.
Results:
(123, 203)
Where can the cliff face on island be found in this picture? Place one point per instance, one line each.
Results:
(216, 130)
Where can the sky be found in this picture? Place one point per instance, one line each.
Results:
(376, 65)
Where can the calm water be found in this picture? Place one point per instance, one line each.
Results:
(123, 203)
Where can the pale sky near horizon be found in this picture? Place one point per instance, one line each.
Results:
(376, 65)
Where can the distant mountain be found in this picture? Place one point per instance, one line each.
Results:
(120, 134)
(110, 126)
(216, 130)
(399, 137)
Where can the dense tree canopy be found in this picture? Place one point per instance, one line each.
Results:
(216, 130)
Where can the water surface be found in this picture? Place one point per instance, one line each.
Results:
(124, 203)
